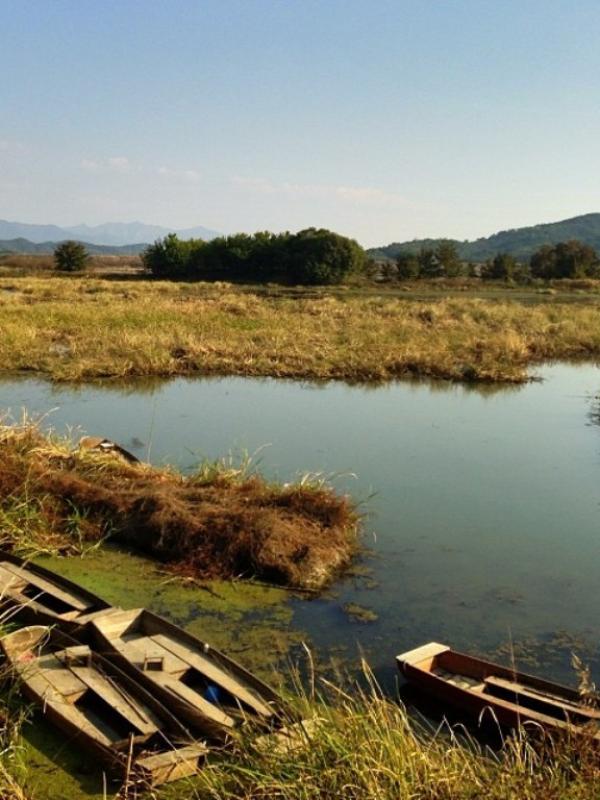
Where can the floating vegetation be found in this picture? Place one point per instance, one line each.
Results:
(220, 522)
(360, 613)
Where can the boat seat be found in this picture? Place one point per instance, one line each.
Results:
(148, 654)
(461, 681)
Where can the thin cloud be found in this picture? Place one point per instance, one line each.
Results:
(187, 175)
(11, 146)
(122, 164)
(357, 195)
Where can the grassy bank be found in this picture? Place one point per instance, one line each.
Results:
(362, 746)
(220, 522)
(84, 328)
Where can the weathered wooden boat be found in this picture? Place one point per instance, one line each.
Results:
(41, 597)
(91, 700)
(201, 685)
(489, 691)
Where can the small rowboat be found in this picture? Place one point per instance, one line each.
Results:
(41, 597)
(92, 701)
(486, 690)
(201, 685)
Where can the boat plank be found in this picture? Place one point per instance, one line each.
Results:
(544, 697)
(215, 674)
(46, 586)
(173, 764)
(192, 697)
(126, 706)
(140, 649)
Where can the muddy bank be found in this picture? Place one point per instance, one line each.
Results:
(220, 522)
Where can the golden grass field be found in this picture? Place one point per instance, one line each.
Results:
(86, 327)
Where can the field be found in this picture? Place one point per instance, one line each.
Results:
(86, 327)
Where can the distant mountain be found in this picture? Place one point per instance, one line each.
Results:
(21, 245)
(519, 242)
(110, 233)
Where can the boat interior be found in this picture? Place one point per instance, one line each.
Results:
(471, 674)
(26, 587)
(188, 673)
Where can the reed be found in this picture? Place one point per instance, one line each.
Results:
(83, 328)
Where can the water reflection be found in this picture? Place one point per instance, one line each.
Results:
(483, 529)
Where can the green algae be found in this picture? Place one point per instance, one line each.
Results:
(251, 622)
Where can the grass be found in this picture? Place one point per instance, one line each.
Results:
(361, 746)
(78, 328)
(222, 521)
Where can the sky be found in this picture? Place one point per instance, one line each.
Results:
(384, 120)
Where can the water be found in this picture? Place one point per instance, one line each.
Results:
(484, 524)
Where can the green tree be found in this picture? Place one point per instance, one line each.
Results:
(503, 267)
(169, 257)
(429, 264)
(408, 265)
(447, 255)
(319, 256)
(572, 259)
(70, 256)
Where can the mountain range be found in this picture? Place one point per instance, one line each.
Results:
(112, 234)
(518, 242)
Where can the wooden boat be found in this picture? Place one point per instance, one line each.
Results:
(41, 597)
(201, 685)
(490, 691)
(91, 700)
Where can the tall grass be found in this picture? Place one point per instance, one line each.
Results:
(82, 328)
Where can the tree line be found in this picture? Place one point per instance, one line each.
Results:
(311, 256)
(572, 259)
(320, 256)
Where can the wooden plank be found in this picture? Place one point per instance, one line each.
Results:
(422, 653)
(62, 679)
(117, 623)
(138, 650)
(46, 586)
(172, 764)
(542, 697)
(215, 674)
(192, 697)
(141, 718)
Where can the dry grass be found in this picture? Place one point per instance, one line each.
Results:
(365, 747)
(82, 328)
(220, 522)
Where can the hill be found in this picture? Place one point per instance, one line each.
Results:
(25, 246)
(113, 234)
(519, 242)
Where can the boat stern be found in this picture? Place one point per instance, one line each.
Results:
(421, 657)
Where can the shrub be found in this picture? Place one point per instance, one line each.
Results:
(70, 256)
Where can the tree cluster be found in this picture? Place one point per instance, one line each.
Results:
(572, 259)
(439, 262)
(311, 256)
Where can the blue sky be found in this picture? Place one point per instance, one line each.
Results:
(382, 120)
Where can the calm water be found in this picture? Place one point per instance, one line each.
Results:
(484, 527)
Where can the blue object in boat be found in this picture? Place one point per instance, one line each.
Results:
(212, 693)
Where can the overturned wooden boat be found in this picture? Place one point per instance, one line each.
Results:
(489, 691)
(90, 699)
(201, 685)
(41, 597)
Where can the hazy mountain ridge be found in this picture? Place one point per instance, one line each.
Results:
(21, 245)
(519, 242)
(110, 233)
